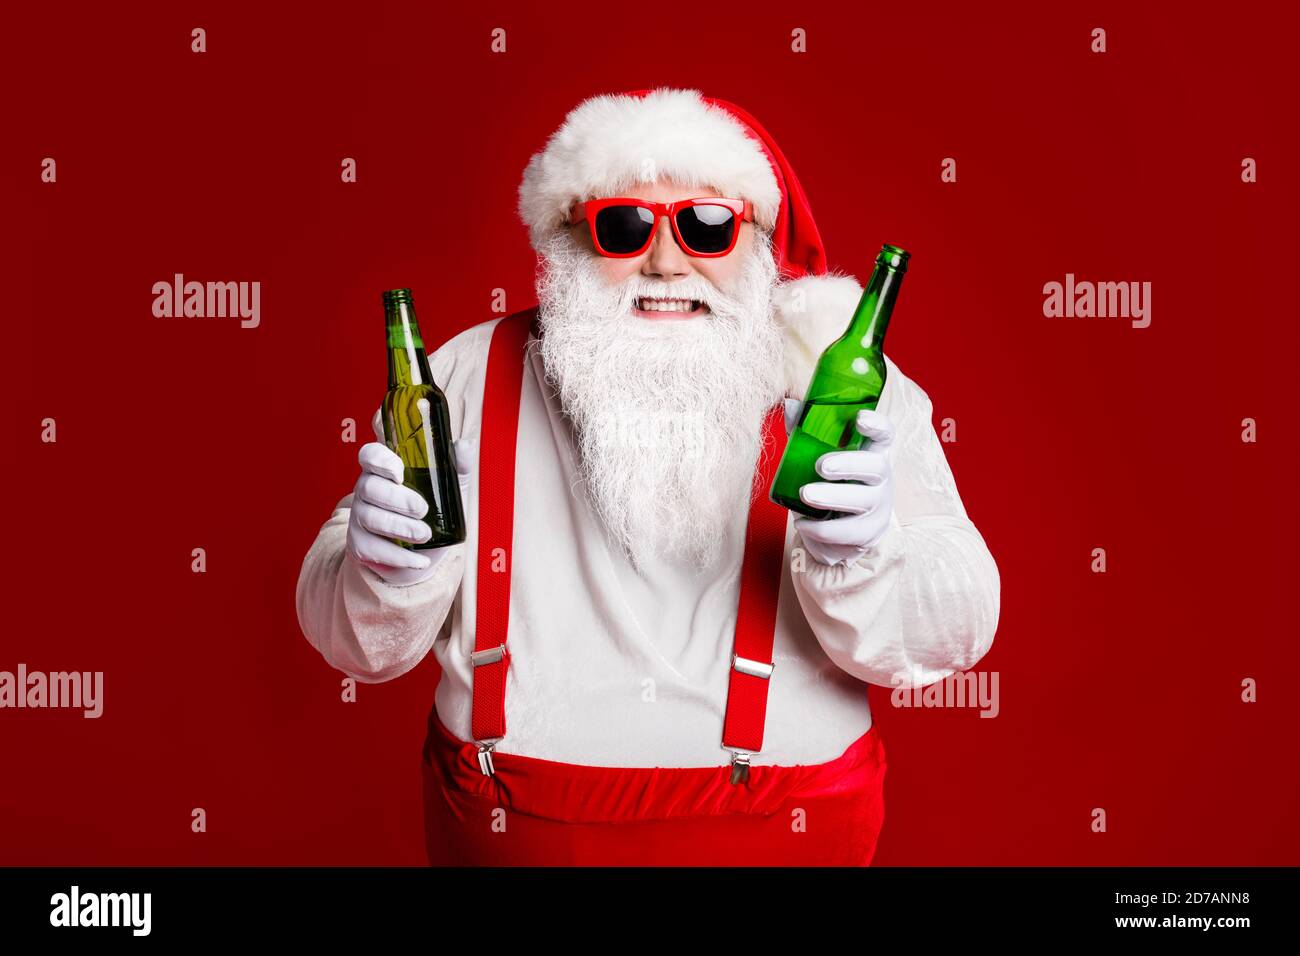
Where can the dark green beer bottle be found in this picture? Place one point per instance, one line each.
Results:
(850, 376)
(417, 426)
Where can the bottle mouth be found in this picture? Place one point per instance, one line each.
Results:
(894, 256)
(394, 296)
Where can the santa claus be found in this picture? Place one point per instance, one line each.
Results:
(644, 660)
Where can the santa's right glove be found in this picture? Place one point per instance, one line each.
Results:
(383, 508)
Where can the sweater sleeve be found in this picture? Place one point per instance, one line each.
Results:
(923, 603)
(362, 625)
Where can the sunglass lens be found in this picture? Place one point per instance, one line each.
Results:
(707, 228)
(623, 229)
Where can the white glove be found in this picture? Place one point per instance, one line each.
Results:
(844, 540)
(383, 508)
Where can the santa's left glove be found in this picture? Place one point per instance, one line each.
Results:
(859, 482)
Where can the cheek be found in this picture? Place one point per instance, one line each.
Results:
(616, 271)
(727, 270)
(723, 272)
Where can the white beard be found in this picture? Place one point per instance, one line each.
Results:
(667, 414)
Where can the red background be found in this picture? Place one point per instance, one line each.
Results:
(1118, 690)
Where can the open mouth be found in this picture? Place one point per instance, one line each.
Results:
(653, 308)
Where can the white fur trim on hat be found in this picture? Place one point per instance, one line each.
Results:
(608, 143)
(813, 312)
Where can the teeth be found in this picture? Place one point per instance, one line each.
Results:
(667, 305)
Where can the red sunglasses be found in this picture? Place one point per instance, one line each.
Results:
(622, 227)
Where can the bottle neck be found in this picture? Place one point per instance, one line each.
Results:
(407, 362)
(871, 319)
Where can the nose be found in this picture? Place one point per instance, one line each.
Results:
(665, 259)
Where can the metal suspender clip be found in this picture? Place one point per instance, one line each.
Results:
(739, 766)
(489, 656)
(753, 668)
(485, 756)
(478, 658)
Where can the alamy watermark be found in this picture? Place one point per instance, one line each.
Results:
(208, 300)
(1098, 300)
(76, 908)
(77, 690)
(975, 689)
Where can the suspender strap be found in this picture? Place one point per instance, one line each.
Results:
(760, 582)
(496, 510)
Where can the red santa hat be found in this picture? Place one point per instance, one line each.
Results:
(607, 143)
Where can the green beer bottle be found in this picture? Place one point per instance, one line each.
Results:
(417, 425)
(850, 376)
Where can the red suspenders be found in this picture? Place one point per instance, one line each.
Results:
(760, 585)
(496, 514)
(760, 574)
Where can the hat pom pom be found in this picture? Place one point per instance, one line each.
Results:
(813, 312)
